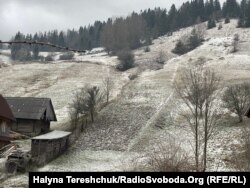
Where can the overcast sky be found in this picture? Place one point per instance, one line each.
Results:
(29, 16)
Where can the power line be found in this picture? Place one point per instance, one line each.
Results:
(42, 44)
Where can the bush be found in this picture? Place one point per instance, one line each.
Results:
(161, 58)
(22, 54)
(180, 48)
(220, 26)
(66, 56)
(236, 37)
(133, 76)
(227, 20)
(195, 39)
(126, 60)
(241, 22)
(235, 43)
(211, 24)
(237, 99)
(190, 42)
(49, 57)
(169, 158)
(241, 160)
(147, 49)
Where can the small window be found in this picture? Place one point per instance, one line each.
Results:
(3, 127)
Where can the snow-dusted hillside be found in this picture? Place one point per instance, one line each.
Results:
(129, 126)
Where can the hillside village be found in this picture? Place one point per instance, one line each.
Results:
(142, 123)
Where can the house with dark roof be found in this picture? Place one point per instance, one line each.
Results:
(6, 119)
(33, 115)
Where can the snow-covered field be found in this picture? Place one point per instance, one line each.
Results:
(129, 126)
(57, 81)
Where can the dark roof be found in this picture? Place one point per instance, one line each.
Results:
(32, 108)
(5, 111)
(52, 135)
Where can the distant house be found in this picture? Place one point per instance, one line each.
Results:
(47, 147)
(33, 115)
(6, 119)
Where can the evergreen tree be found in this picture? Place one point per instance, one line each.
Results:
(172, 15)
(139, 29)
(243, 8)
(247, 15)
(36, 52)
(231, 8)
(241, 21)
(217, 6)
(180, 48)
(201, 10)
(16, 47)
(211, 24)
(227, 20)
(61, 40)
(209, 8)
(217, 10)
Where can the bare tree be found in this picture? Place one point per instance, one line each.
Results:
(76, 108)
(197, 89)
(169, 157)
(237, 98)
(108, 86)
(208, 109)
(92, 100)
(85, 103)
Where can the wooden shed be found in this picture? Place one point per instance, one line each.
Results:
(33, 115)
(6, 118)
(46, 147)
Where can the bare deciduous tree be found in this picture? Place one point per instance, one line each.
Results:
(108, 86)
(76, 108)
(92, 100)
(197, 89)
(208, 109)
(85, 103)
(237, 99)
(169, 158)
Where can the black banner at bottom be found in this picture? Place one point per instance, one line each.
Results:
(79, 179)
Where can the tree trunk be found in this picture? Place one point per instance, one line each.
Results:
(82, 125)
(205, 145)
(240, 118)
(107, 98)
(92, 117)
(205, 136)
(196, 141)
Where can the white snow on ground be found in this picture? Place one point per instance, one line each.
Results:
(96, 55)
(57, 81)
(129, 126)
(100, 58)
(92, 161)
(5, 56)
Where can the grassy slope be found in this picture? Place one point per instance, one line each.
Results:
(130, 124)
